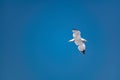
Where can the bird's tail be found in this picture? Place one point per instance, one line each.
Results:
(83, 52)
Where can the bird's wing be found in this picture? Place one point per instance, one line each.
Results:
(76, 34)
(71, 40)
(81, 47)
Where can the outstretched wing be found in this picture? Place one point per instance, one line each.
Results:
(76, 34)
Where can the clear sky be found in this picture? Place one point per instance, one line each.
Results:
(35, 34)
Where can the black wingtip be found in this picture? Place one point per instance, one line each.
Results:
(83, 52)
(74, 29)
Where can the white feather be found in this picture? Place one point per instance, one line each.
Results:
(80, 42)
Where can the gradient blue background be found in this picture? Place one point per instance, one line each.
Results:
(35, 34)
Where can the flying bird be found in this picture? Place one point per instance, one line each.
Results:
(78, 40)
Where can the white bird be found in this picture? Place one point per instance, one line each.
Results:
(78, 40)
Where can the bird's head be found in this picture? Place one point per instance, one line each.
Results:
(74, 30)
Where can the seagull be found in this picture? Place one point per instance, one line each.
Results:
(78, 40)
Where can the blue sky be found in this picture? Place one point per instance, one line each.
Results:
(35, 34)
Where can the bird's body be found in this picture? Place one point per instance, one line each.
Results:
(80, 42)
